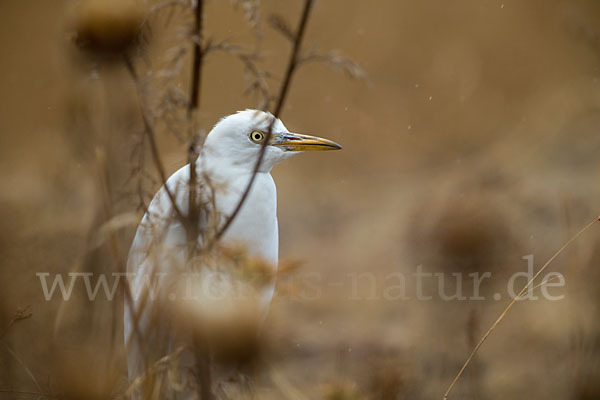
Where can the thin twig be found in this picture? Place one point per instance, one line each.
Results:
(292, 64)
(194, 104)
(201, 350)
(149, 131)
(514, 300)
(198, 57)
(541, 284)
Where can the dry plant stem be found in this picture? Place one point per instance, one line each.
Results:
(514, 300)
(292, 64)
(198, 58)
(193, 106)
(541, 284)
(149, 131)
(201, 349)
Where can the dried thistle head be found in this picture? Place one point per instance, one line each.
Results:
(220, 309)
(461, 236)
(108, 28)
(230, 334)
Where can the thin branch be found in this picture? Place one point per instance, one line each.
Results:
(149, 131)
(514, 300)
(194, 104)
(292, 64)
(198, 58)
(540, 285)
(201, 350)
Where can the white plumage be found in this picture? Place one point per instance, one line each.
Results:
(227, 160)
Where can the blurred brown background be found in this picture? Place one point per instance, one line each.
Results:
(474, 143)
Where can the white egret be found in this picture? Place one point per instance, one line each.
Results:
(227, 161)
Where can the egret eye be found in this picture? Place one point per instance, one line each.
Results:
(257, 136)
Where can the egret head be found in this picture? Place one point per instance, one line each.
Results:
(239, 138)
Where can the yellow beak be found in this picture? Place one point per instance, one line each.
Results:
(296, 142)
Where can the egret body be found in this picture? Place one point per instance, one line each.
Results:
(225, 165)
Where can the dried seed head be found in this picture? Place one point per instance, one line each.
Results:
(223, 312)
(108, 27)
